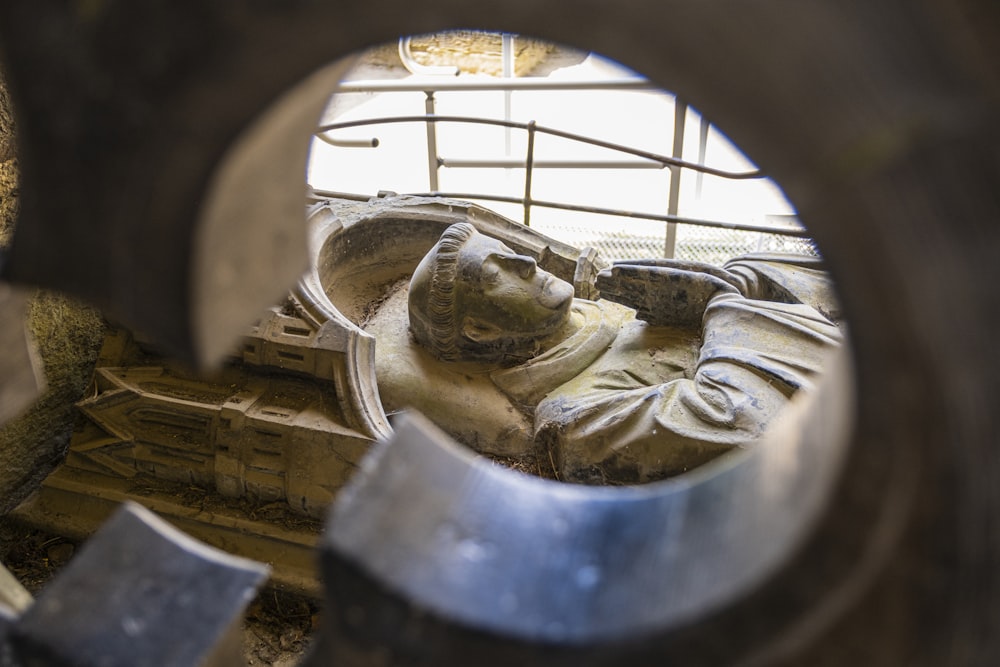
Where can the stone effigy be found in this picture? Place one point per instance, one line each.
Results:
(493, 331)
(501, 355)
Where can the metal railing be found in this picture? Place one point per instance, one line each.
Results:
(529, 163)
(638, 158)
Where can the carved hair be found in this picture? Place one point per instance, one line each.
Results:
(440, 304)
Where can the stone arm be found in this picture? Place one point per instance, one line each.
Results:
(617, 423)
(666, 292)
(676, 292)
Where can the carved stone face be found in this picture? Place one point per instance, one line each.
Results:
(504, 294)
(501, 303)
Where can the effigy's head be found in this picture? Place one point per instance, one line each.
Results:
(473, 298)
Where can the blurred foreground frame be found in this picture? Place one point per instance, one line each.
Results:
(139, 593)
(879, 122)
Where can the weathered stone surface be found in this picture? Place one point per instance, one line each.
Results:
(601, 392)
(68, 336)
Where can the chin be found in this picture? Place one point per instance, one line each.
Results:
(560, 314)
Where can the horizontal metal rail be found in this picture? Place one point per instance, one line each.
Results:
(349, 143)
(516, 163)
(647, 155)
(320, 194)
(417, 84)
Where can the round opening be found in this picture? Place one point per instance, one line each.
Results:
(777, 324)
(872, 123)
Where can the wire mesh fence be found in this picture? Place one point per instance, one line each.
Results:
(701, 244)
(716, 246)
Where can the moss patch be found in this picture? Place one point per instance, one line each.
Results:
(68, 336)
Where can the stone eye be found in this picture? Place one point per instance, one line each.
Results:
(522, 266)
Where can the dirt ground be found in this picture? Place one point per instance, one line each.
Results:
(278, 625)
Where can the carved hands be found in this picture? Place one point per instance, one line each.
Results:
(667, 291)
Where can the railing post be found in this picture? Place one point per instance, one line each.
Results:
(529, 165)
(673, 203)
(433, 162)
(702, 150)
(507, 54)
